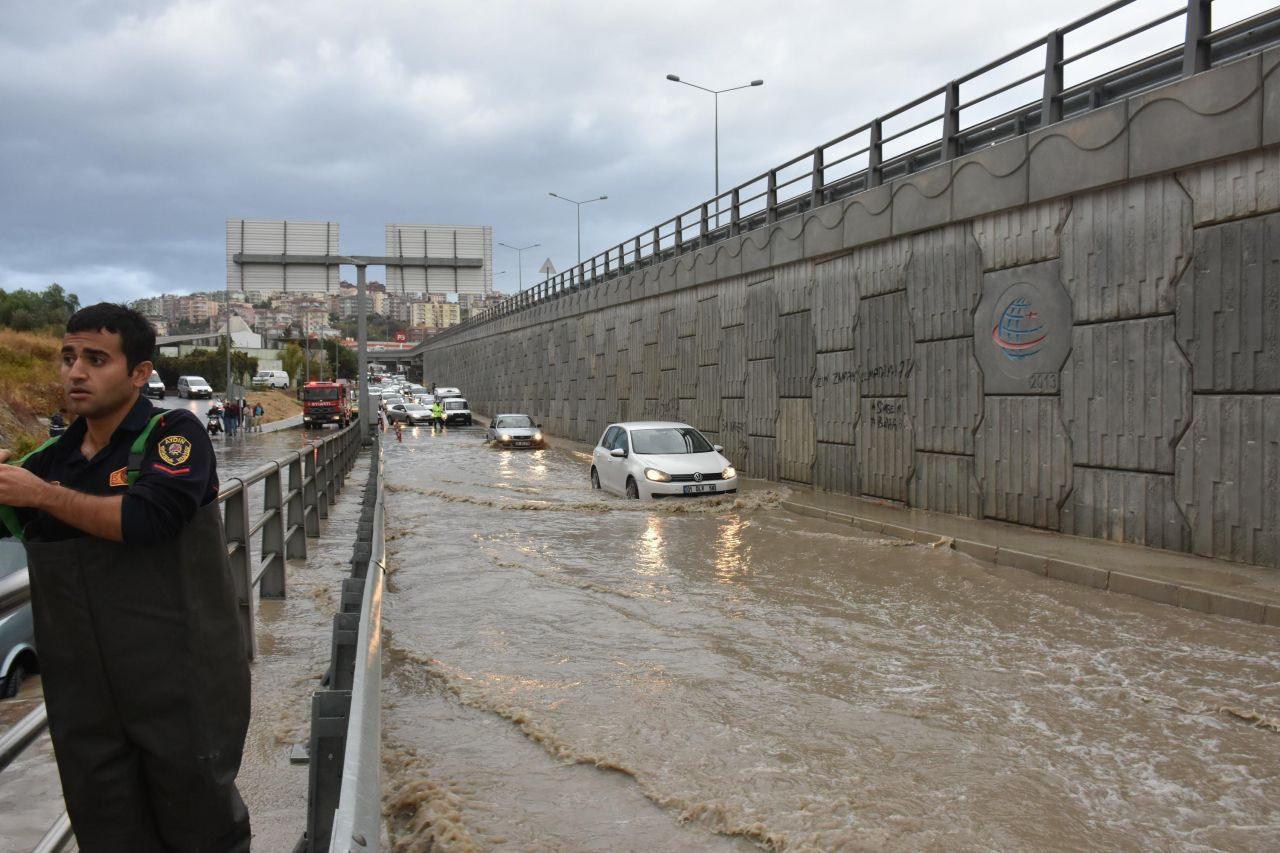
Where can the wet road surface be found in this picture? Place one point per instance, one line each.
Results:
(572, 671)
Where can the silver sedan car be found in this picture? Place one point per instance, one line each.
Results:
(512, 430)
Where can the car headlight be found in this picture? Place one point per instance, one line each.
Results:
(537, 436)
(656, 475)
(504, 437)
(728, 473)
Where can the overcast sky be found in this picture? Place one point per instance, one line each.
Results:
(131, 130)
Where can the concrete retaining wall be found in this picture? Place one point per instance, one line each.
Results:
(1077, 330)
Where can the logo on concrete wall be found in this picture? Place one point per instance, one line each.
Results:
(1019, 333)
(1022, 329)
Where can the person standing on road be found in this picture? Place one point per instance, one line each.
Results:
(437, 416)
(142, 657)
(231, 414)
(258, 412)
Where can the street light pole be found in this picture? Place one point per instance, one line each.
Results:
(519, 250)
(716, 93)
(579, 204)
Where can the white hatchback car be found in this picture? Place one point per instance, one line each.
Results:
(655, 458)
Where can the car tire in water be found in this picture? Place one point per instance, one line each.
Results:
(633, 491)
(13, 681)
(595, 478)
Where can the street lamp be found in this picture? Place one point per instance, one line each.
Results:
(520, 262)
(579, 204)
(716, 93)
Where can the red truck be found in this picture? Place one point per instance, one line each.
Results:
(325, 403)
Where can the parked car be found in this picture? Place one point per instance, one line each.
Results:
(512, 430)
(410, 413)
(271, 379)
(194, 386)
(655, 458)
(456, 411)
(155, 386)
(18, 657)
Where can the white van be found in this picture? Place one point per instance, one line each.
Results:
(194, 386)
(155, 386)
(443, 393)
(271, 379)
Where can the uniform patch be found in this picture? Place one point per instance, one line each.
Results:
(119, 477)
(174, 449)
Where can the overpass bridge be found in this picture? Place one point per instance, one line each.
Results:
(1063, 316)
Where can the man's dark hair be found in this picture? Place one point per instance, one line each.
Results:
(137, 335)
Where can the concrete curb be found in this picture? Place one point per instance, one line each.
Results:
(1261, 609)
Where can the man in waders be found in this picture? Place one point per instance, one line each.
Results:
(143, 662)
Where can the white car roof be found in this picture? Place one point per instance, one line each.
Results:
(513, 415)
(650, 425)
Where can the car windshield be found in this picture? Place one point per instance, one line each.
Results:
(668, 440)
(455, 404)
(319, 393)
(414, 407)
(515, 422)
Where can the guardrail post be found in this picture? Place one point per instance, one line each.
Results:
(331, 478)
(330, 710)
(819, 180)
(656, 253)
(735, 213)
(951, 121)
(1051, 106)
(236, 524)
(875, 154)
(310, 500)
(324, 495)
(771, 197)
(295, 547)
(1195, 53)
(703, 225)
(272, 552)
(679, 233)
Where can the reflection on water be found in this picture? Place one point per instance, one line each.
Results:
(717, 674)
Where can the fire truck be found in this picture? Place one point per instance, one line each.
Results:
(325, 403)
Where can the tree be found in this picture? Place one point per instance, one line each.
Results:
(291, 360)
(26, 310)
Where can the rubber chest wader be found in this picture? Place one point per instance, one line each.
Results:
(146, 682)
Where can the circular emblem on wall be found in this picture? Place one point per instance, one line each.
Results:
(1022, 329)
(1019, 333)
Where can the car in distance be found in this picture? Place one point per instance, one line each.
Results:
(271, 379)
(443, 392)
(652, 459)
(456, 411)
(194, 386)
(512, 430)
(409, 413)
(155, 386)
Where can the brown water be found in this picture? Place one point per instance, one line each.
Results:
(572, 671)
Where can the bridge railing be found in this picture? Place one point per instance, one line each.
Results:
(315, 474)
(1023, 90)
(344, 807)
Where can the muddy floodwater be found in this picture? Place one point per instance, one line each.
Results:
(569, 670)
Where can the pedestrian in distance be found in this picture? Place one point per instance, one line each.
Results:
(399, 431)
(142, 656)
(231, 414)
(58, 422)
(258, 412)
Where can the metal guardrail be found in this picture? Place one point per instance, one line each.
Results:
(344, 796)
(868, 155)
(315, 476)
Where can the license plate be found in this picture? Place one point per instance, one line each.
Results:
(699, 488)
(520, 443)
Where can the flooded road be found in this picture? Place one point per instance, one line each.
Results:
(572, 671)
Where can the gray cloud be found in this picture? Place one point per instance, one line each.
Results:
(133, 130)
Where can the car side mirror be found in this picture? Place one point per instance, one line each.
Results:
(718, 448)
(539, 426)
(618, 453)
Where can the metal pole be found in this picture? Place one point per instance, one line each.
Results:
(578, 205)
(362, 353)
